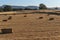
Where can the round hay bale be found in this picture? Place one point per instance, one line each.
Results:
(51, 18)
(25, 15)
(10, 17)
(48, 14)
(40, 17)
(4, 20)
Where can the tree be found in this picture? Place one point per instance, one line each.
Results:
(1, 9)
(42, 6)
(7, 8)
(56, 8)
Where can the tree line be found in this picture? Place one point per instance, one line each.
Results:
(9, 8)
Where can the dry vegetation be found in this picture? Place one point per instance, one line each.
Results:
(31, 26)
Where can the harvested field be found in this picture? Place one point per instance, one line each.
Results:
(31, 27)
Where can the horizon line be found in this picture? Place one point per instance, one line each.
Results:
(28, 5)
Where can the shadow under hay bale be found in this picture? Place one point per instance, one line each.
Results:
(9, 18)
(4, 20)
(51, 18)
(6, 31)
(40, 17)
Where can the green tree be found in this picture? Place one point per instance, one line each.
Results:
(56, 7)
(1, 9)
(42, 6)
(7, 8)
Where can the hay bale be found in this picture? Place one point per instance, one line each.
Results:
(25, 15)
(4, 20)
(48, 14)
(51, 18)
(6, 31)
(40, 17)
(9, 18)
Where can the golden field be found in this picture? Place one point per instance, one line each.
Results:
(27, 25)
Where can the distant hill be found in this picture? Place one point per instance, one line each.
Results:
(18, 7)
(23, 7)
(32, 7)
(53, 8)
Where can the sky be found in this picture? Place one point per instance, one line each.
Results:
(48, 3)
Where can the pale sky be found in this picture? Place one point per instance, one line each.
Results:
(48, 3)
